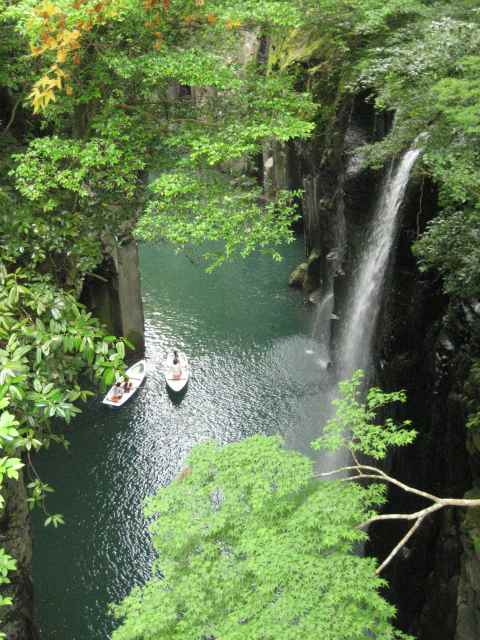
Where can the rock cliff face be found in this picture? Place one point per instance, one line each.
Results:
(16, 622)
(422, 345)
(114, 295)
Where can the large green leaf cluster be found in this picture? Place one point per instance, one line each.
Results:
(48, 344)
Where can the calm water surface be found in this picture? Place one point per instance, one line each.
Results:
(255, 370)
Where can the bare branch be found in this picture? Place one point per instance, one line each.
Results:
(12, 116)
(402, 543)
(381, 475)
(404, 516)
(367, 472)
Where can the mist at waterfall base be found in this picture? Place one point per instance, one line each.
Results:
(246, 335)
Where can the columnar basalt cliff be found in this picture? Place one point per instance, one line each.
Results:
(421, 344)
(113, 294)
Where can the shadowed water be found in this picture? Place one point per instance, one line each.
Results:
(255, 370)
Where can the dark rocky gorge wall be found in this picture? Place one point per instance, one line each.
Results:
(114, 295)
(16, 622)
(422, 345)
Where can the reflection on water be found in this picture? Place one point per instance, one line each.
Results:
(254, 369)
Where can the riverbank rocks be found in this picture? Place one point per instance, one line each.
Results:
(298, 275)
(307, 275)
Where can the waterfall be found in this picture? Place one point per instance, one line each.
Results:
(364, 302)
(353, 350)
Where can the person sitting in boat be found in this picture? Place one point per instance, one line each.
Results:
(117, 392)
(127, 384)
(176, 370)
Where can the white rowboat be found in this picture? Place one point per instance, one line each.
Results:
(177, 379)
(135, 374)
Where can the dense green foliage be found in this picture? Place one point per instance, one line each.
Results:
(251, 545)
(167, 119)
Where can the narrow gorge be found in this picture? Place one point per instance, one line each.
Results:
(286, 191)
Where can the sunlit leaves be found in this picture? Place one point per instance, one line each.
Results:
(190, 208)
(355, 426)
(7, 564)
(250, 546)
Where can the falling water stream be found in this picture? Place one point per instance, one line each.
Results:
(367, 286)
(354, 348)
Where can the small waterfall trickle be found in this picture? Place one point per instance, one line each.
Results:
(322, 327)
(364, 302)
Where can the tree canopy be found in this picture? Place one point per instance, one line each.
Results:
(251, 544)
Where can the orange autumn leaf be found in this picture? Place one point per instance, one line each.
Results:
(232, 24)
(76, 59)
(51, 42)
(211, 18)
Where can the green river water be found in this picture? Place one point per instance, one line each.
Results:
(255, 369)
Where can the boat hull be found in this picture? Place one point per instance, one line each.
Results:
(173, 383)
(136, 375)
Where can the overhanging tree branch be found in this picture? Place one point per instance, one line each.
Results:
(368, 472)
